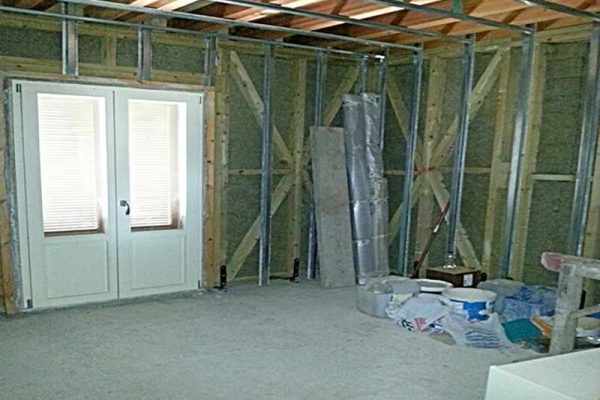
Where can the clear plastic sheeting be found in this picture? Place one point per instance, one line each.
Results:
(368, 188)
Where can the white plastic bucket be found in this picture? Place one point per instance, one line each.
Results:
(433, 285)
(476, 304)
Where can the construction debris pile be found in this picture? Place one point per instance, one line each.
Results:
(500, 314)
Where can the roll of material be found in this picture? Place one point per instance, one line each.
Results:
(381, 249)
(362, 214)
(368, 188)
(380, 217)
(364, 260)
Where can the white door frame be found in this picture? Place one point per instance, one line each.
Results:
(196, 174)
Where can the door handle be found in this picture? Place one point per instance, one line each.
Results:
(125, 203)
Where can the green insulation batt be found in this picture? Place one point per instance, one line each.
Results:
(558, 145)
(560, 132)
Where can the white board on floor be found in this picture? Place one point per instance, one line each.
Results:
(332, 207)
(573, 376)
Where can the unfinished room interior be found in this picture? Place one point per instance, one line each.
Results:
(300, 199)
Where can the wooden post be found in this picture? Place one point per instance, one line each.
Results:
(570, 286)
(591, 246)
(529, 162)
(6, 262)
(222, 110)
(435, 96)
(499, 171)
(210, 271)
(298, 123)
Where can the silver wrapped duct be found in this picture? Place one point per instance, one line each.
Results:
(368, 188)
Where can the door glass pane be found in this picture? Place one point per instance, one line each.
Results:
(72, 137)
(156, 163)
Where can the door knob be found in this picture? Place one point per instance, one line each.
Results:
(125, 203)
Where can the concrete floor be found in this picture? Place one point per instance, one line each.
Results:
(282, 342)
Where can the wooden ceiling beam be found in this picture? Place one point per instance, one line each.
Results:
(368, 11)
(530, 15)
(417, 20)
(518, 13)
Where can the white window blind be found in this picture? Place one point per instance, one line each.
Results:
(71, 136)
(155, 172)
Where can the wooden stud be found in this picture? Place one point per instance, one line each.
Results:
(529, 162)
(299, 123)
(210, 271)
(222, 111)
(499, 171)
(434, 106)
(7, 289)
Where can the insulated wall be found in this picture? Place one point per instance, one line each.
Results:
(33, 46)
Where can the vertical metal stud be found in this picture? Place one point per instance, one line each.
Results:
(210, 60)
(587, 148)
(264, 253)
(519, 139)
(321, 80)
(363, 76)
(70, 42)
(460, 150)
(409, 163)
(144, 71)
(382, 89)
(320, 89)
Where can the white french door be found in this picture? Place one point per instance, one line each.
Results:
(108, 191)
(158, 190)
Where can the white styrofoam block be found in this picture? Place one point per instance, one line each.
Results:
(573, 376)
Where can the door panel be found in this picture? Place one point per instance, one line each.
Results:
(159, 164)
(68, 155)
(68, 276)
(152, 269)
(110, 190)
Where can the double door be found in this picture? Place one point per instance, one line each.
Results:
(110, 184)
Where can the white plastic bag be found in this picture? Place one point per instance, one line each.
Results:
(417, 313)
(488, 334)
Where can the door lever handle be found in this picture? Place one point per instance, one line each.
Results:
(125, 203)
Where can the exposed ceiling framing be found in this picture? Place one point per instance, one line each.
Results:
(326, 23)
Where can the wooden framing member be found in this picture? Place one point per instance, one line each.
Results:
(295, 204)
(499, 168)
(7, 300)
(442, 150)
(435, 96)
(591, 247)
(222, 110)
(283, 188)
(526, 180)
(210, 269)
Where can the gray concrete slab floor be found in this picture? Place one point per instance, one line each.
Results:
(286, 341)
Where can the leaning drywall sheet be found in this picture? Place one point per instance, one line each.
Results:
(332, 207)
